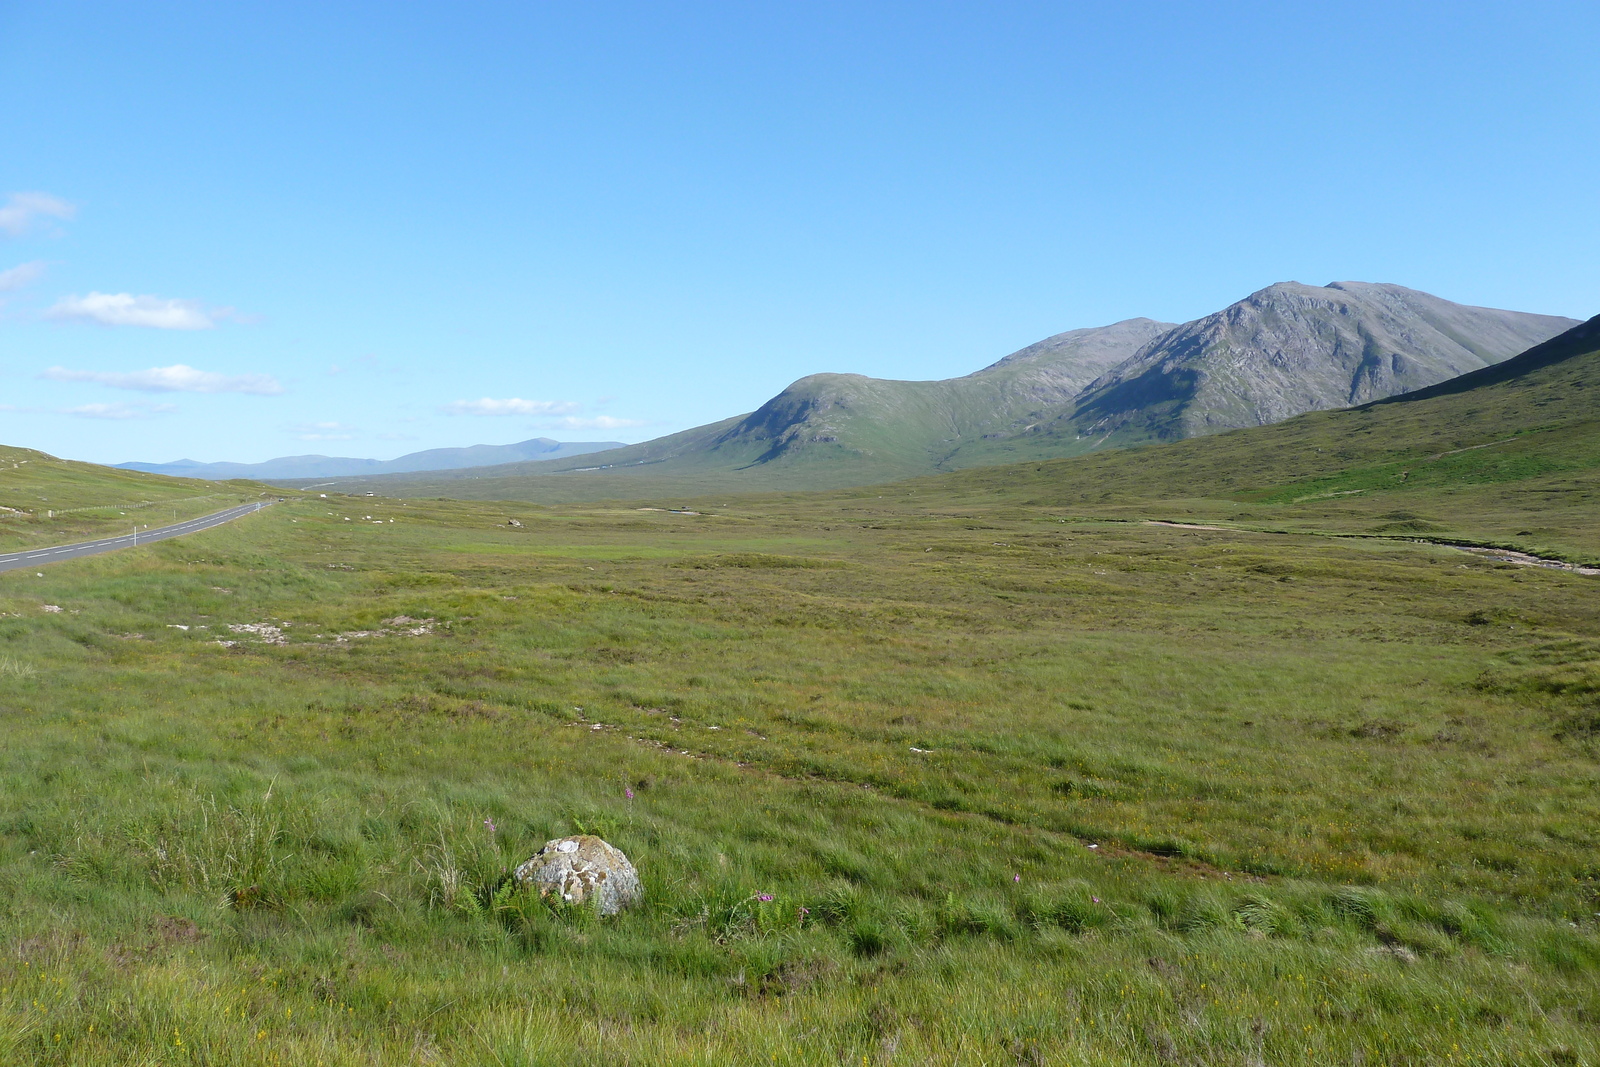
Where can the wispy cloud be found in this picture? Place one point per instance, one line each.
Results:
(96, 411)
(118, 410)
(324, 431)
(20, 275)
(177, 378)
(126, 309)
(511, 406)
(598, 422)
(23, 211)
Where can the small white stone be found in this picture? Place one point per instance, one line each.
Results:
(567, 846)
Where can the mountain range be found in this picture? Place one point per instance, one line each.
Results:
(1284, 350)
(433, 459)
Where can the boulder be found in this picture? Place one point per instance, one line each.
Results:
(583, 868)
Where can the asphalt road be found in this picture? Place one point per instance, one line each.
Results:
(38, 557)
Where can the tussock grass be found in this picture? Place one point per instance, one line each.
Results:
(1332, 816)
(14, 669)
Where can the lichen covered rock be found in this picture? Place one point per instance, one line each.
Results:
(582, 869)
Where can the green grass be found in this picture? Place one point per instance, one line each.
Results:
(50, 501)
(1027, 778)
(1342, 792)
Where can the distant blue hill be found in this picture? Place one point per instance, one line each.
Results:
(433, 459)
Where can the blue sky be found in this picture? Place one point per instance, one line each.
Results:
(241, 231)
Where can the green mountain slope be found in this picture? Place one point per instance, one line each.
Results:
(1509, 453)
(825, 418)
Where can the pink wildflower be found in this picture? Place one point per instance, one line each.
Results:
(490, 824)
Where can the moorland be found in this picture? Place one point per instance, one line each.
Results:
(1222, 751)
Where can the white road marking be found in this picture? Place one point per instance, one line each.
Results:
(89, 548)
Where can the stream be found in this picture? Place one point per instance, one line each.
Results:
(1502, 555)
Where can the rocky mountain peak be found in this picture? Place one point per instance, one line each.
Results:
(1291, 348)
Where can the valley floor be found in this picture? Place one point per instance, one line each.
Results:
(907, 782)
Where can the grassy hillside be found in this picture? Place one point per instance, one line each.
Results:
(1509, 454)
(971, 771)
(45, 500)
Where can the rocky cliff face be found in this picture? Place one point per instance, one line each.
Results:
(1292, 348)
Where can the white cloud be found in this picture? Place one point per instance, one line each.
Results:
(119, 411)
(324, 431)
(20, 275)
(23, 210)
(98, 411)
(599, 422)
(174, 379)
(125, 309)
(511, 406)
